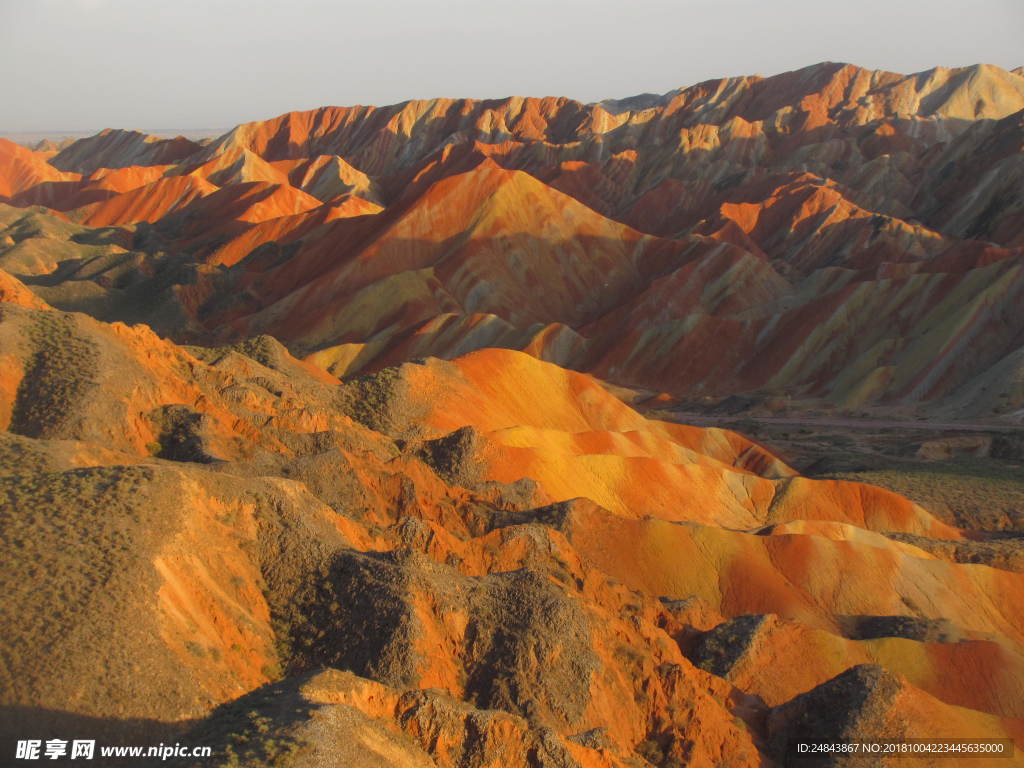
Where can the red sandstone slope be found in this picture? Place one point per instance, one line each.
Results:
(411, 567)
(746, 234)
(149, 202)
(491, 560)
(489, 240)
(22, 170)
(122, 149)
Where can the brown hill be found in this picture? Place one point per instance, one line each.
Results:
(22, 169)
(711, 240)
(315, 444)
(214, 520)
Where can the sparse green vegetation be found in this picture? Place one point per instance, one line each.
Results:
(718, 650)
(272, 671)
(195, 649)
(253, 747)
(59, 373)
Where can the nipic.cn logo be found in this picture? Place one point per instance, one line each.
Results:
(53, 749)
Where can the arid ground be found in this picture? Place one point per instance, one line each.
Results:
(666, 431)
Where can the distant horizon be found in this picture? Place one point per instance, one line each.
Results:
(211, 131)
(68, 133)
(84, 65)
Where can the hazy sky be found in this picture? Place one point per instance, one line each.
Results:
(89, 64)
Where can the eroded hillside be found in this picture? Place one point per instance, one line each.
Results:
(848, 237)
(482, 562)
(318, 441)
